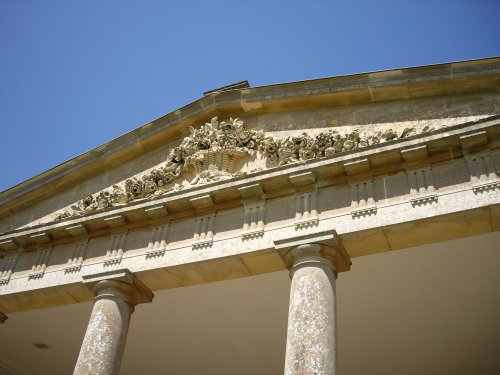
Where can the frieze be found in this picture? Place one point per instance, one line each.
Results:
(212, 152)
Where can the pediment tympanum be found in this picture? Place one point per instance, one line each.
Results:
(212, 152)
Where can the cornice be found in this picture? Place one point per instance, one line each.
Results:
(442, 79)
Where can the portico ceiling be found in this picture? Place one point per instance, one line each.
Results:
(425, 310)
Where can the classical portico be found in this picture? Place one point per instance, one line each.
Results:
(279, 191)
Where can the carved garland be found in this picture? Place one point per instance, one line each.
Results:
(212, 152)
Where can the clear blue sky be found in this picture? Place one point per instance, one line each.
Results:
(76, 74)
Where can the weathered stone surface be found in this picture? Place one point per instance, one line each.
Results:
(311, 336)
(388, 159)
(104, 341)
(116, 295)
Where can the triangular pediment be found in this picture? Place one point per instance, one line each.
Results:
(241, 135)
(222, 150)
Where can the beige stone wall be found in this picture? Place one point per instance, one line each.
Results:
(435, 111)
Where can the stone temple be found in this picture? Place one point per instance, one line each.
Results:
(340, 225)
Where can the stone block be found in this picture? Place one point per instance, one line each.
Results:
(438, 228)
(495, 217)
(366, 242)
(209, 271)
(263, 262)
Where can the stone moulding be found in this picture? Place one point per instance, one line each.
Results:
(203, 232)
(212, 152)
(253, 220)
(76, 260)
(158, 241)
(252, 234)
(424, 199)
(40, 265)
(150, 254)
(36, 275)
(114, 254)
(112, 262)
(488, 186)
(9, 264)
(365, 211)
(307, 223)
(306, 213)
(198, 245)
(72, 268)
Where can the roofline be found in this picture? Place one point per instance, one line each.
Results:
(278, 97)
(483, 59)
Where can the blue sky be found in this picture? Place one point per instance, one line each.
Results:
(76, 74)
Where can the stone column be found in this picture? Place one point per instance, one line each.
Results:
(311, 346)
(3, 318)
(116, 295)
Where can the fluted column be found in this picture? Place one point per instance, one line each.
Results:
(116, 295)
(314, 261)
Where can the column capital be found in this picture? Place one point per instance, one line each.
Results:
(3, 318)
(119, 284)
(323, 248)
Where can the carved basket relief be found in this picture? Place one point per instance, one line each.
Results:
(212, 152)
(216, 164)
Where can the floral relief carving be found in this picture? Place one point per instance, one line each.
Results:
(305, 147)
(212, 152)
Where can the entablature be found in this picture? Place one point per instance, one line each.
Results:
(351, 166)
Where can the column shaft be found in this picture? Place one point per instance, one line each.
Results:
(311, 337)
(104, 341)
(116, 295)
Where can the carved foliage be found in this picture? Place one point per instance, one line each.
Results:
(211, 152)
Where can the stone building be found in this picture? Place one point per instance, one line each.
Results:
(241, 211)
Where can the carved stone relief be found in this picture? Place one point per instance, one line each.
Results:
(77, 255)
(7, 268)
(115, 251)
(483, 176)
(38, 269)
(306, 214)
(422, 190)
(362, 199)
(203, 231)
(253, 221)
(212, 152)
(158, 241)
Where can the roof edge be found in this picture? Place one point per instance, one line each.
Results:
(242, 100)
